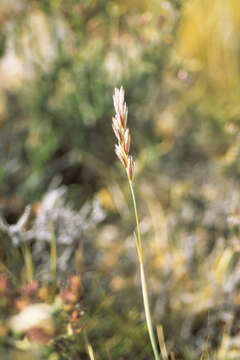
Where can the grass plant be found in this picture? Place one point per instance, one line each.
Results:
(122, 133)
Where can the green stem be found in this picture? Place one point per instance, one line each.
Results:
(139, 241)
(143, 280)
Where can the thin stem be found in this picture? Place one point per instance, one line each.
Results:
(147, 313)
(143, 280)
(139, 241)
(88, 346)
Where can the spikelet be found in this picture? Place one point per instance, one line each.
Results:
(127, 141)
(130, 168)
(121, 155)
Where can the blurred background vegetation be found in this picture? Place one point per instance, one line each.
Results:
(179, 62)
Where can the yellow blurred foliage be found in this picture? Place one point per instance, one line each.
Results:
(106, 200)
(208, 42)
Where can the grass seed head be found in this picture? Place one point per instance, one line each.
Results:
(119, 122)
